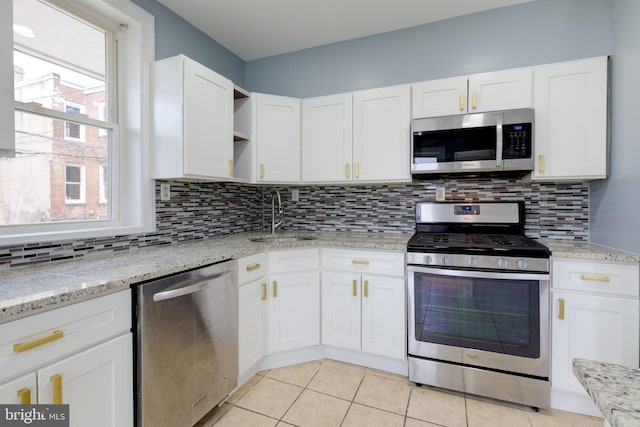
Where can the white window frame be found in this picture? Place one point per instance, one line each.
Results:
(82, 184)
(102, 184)
(102, 116)
(132, 189)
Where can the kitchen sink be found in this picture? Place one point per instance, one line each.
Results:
(281, 239)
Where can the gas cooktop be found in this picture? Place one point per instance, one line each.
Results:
(488, 235)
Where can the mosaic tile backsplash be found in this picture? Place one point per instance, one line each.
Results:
(203, 210)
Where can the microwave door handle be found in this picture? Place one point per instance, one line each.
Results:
(499, 142)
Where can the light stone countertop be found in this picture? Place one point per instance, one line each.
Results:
(587, 251)
(615, 390)
(28, 290)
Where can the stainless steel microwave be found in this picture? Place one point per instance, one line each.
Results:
(482, 142)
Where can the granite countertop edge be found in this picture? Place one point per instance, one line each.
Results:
(31, 289)
(614, 388)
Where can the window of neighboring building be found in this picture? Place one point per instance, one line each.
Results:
(74, 184)
(81, 97)
(73, 130)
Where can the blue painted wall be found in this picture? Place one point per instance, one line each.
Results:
(174, 35)
(539, 32)
(615, 203)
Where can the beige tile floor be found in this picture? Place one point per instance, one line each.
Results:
(328, 393)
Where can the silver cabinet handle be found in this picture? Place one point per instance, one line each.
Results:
(175, 293)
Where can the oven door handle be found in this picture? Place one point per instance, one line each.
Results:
(479, 274)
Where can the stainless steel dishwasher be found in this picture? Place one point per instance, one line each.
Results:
(187, 344)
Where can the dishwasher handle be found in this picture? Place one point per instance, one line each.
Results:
(175, 293)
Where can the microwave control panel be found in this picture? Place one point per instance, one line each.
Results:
(517, 141)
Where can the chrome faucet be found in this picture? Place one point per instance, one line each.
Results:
(275, 195)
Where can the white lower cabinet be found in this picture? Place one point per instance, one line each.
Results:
(96, 384)
(594, 316)
(80, 355)
(294, 299)
(252, 310)
(363, 311)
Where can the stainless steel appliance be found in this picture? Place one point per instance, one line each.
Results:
(483, 142)
(478, 292)
(187, 345)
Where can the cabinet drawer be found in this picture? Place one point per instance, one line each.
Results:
(294, 260)
(32, 341)
(374, 262)
(592, 276)
(251, 268)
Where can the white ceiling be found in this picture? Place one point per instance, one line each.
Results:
(255, 29)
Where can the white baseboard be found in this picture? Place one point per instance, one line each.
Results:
(574, 402)
(319, 352)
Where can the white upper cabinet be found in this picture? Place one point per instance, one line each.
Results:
(442, 97)
(500, 90)
(571, 120)
(381, 125)
(357, 137)
(192, 121)
(327, 138)
(277, 138)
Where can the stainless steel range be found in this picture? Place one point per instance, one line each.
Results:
(479, 302)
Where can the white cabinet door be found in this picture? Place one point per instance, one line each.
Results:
(571, 120)
(96, 383)
(327, 138)
(593, 327)
(341, 293)
(21, 391)
(252, 323)
(208, 119)
(294, 311)
(383, 316)
(192, 121)
(500, 90)
(443, 97)
(278, 138)
(381, 124)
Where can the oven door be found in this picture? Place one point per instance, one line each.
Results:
(495, 320)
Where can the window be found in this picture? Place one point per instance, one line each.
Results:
(74, 184)
(73, 130)
(80, 111)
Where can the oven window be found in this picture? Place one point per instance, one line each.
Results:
(496, 315)
(459, 145)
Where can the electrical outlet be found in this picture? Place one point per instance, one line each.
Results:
(165, 192)
(440, 194)
(295, 195)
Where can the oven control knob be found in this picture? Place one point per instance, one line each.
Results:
(522, 264)
(473, 261)
(445, 260)
(502, 263)
(427, 259)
